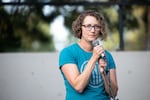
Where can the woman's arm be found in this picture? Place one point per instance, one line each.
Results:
(78, 80)
(113, 81)
(109, 81)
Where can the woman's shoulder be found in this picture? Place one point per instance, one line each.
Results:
(70, 48)
(108, 53)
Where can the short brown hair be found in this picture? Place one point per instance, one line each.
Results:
(77, 24)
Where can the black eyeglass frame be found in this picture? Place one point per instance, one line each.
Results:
(89, 27)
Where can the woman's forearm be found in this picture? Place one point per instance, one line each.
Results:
(110, 84)
(82, 80)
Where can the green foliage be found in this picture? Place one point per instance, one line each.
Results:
(21, 28)
(25, 28)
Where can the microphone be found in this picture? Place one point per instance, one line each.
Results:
(102, 56)
(98, 42)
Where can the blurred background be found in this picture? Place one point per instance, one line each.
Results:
(33, 32)
(45, 25)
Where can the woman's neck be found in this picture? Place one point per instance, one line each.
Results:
(87, 46)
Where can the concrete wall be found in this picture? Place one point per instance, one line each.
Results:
(35, 76)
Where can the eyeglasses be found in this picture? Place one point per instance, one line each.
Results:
(89, 27)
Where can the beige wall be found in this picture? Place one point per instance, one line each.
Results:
(35, 76)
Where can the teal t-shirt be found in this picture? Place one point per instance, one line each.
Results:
(95, 89)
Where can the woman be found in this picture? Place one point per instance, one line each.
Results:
(81, 65)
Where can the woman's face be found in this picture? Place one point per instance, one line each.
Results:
(90, 28)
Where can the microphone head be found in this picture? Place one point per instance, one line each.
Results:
(98, 42)
(95, 43)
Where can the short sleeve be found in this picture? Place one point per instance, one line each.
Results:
(66, 56)
(110, 60)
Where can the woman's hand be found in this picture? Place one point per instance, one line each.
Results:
(97, 51)
(102, 65)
